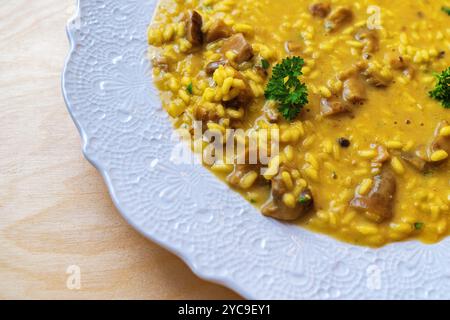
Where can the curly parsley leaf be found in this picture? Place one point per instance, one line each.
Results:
(286, 88)
(442, 90)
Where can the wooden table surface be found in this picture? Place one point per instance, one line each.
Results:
(58, 227)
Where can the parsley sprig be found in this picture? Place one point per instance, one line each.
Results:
(442, 90)
(286, 88)
(446, 10)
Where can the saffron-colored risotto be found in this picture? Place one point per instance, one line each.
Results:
(364, 144)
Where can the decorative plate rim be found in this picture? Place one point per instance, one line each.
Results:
(98, 166)
(412, 251)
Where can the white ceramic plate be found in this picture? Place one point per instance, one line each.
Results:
(128, 137)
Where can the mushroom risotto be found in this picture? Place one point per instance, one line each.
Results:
(354, 93)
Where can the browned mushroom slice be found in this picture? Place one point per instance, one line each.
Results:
(218, 30)
(383, 155)
(421, 158)
(439, 142)
(213, 66)
(337, 18)
(238, 173)
(320, 10)
(241, 170)
(397, 62)
(415, 161)
(276, 208)
(261, 72)
(239, 45)
(350, 72)
(205, 114)
(244, 98)
(271, 113)
(376, 79)
(354, 90)
(333, 106)
(377, 205)
(194, 25)
(370, 39)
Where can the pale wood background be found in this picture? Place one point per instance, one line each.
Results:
(54, 207)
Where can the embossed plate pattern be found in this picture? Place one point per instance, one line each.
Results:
(128, 137)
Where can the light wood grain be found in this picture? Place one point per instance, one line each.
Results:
(54, 208)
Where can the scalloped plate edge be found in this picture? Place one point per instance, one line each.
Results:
(70, 30)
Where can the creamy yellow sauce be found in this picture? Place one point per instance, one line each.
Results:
(400, 117)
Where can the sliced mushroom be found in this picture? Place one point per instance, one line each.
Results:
(375, 78)
(378, 204)
(276, 208)
(194, 25)
(332, 106)
(261, 72)
(244, 98)
(354, 90)
(370, 39)
(203, 113)
(337, 18)
(415, 161)
(383, 155)
(352, 71)
(368, 71)
(439, 142)
(397, 62)
(239, 45)
(218, 30)
(213, 66)
(271, 112)
(240, 170)
(320, 10)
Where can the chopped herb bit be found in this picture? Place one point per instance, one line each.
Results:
(252, 200)
(304, 198)
(418, 225)
(285, 87)
(442, 90)
(446, 10)
(265, 64)
(189, 88)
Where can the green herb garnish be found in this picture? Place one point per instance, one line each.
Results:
(189, 88)
(442, 90)
(265, 64)
(418, 225)
(286, 88)
(446, 10)
(304, 199)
